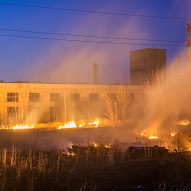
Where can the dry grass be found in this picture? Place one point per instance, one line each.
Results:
(88, 168)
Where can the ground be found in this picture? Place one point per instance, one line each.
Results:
(39, 160)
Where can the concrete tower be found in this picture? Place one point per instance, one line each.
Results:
(145, 63)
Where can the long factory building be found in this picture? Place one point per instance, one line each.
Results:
(37, 102)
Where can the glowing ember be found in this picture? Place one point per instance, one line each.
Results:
(22, 127)
(81, 125)
(95, 123)
(144, 133)
(71, 154)
(95, 145)
(190, 149)
(4, 127)
(173, 134)
(153, 137)
(184, 122)
(70, 124)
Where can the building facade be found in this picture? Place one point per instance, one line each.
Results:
(145, 63)
(36, 102)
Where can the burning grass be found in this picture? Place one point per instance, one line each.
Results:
(153, 137)
(53, 125)
(82, 124)
(70, 124)
(184, 122)
(76, 131)
(22, 127)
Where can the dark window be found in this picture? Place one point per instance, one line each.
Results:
(12, 97)
(75, 97)
(34, 97)
(112, 96)
(93, 97)
(54, 114)
(54, 97)
(12, 112)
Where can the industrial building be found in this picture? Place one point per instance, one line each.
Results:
(24, 102)
(37, 102)
(145, 63)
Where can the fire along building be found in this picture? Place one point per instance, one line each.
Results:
(145, 63)
(22, 102)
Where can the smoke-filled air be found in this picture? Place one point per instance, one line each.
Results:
(95, 95)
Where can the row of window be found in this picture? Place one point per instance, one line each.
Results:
(55, 97)
(12, 97)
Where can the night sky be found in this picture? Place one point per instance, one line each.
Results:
(59, 61)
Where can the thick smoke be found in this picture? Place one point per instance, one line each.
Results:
(167, 100)
(72, 62)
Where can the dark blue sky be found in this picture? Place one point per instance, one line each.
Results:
(72, 62)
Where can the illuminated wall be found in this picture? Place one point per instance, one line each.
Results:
(36, 102)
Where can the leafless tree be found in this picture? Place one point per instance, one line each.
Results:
(117, 107)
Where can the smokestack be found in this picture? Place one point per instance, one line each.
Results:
(95, 74)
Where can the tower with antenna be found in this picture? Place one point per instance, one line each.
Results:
(188, 40)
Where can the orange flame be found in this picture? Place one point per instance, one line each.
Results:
(184, 122)
(82, 124)
(95, 123)
(70, 124)
(153, 137)
(22, 127)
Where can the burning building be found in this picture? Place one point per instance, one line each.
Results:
(145, 63)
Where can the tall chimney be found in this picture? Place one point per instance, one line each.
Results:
(95, 74)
